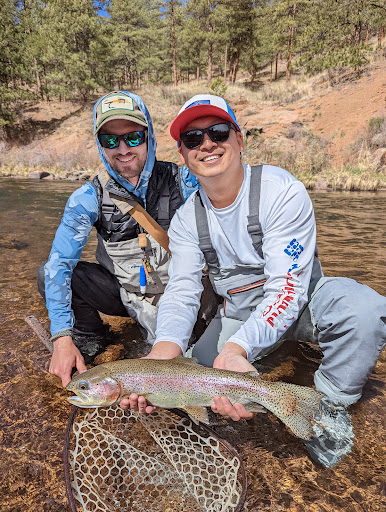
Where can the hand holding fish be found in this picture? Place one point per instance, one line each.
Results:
(184, 384)
(232, 357)
(64, 358)
(137, 403)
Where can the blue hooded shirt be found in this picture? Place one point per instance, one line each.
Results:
(80, 214)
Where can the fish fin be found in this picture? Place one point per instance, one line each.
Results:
(254, 374)
(188, 361)
(254, 407)
(197, 414)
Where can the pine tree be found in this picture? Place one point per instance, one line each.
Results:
(13, 68)
(336, 33)
(66, 32)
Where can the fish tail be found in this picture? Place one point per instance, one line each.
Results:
(324, 427)
(296, 406)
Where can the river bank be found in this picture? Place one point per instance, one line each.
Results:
(337, 180)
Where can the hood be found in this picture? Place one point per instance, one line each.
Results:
(141, 188)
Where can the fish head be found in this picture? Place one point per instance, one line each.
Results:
(94, 388)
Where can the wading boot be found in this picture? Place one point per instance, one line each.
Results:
(91, 344)
(333, 434)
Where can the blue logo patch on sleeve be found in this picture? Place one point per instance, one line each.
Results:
(294, 249)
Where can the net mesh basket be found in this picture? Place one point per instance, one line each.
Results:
(119, 460)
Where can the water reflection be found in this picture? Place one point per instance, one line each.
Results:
(351, 241)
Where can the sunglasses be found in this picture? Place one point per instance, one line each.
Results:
(131, 139)
(217, 133)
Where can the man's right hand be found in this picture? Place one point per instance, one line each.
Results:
(161, 350)
(64, 358)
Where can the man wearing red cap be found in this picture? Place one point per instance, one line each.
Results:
(254, 229)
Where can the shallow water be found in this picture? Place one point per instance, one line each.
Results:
(34, 412)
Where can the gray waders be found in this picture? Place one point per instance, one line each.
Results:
(347, 319)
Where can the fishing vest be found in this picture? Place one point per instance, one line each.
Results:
(241, 285)
(118, 247)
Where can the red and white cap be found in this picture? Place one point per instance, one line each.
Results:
(201, 105)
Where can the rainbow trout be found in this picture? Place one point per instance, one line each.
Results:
(184, 384)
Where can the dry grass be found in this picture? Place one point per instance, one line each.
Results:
(57, 155)
(363, 170)
(301, 153)
(353, 179)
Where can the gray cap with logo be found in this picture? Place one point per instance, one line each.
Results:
(118, 106)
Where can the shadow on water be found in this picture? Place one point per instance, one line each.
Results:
(34, 411)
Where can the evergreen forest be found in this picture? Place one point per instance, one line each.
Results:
(67, 49)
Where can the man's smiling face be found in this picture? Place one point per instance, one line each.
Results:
(126, 161)
(211, 159)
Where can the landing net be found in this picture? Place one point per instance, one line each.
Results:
(119, 461)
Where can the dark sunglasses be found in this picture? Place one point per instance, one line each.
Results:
(131, 139)
(217, 133)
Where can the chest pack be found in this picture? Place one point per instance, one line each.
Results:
(119, 249)
(163, 197)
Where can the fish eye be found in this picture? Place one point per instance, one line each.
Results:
(83, 385)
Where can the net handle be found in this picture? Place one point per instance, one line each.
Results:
(66, 460)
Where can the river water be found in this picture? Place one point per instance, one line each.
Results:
(34, 412)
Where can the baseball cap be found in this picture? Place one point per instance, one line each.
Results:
(117, 105)
(201, 105)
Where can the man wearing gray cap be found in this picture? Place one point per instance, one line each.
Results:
(133, 260)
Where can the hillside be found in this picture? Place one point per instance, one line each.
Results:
(312, 127)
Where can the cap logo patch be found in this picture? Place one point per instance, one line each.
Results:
(117, 102)
(199, 102)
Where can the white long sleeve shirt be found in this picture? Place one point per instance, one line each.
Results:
(289, 242)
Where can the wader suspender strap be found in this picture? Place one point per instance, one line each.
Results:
(138, 213)
(163, 204)
(204, 241)
(108, 208)
(253, 227)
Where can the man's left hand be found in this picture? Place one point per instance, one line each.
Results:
(232, 357)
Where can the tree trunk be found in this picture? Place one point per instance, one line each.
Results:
(276, 65)
(173, 41)
(38, 81)
(236, 65)
(252, 64)
(225, 62)
(210, 54)
(45, 83)
(231, 59)
(357, 34)
(367, 34)
(289, 45)
(381, 35)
